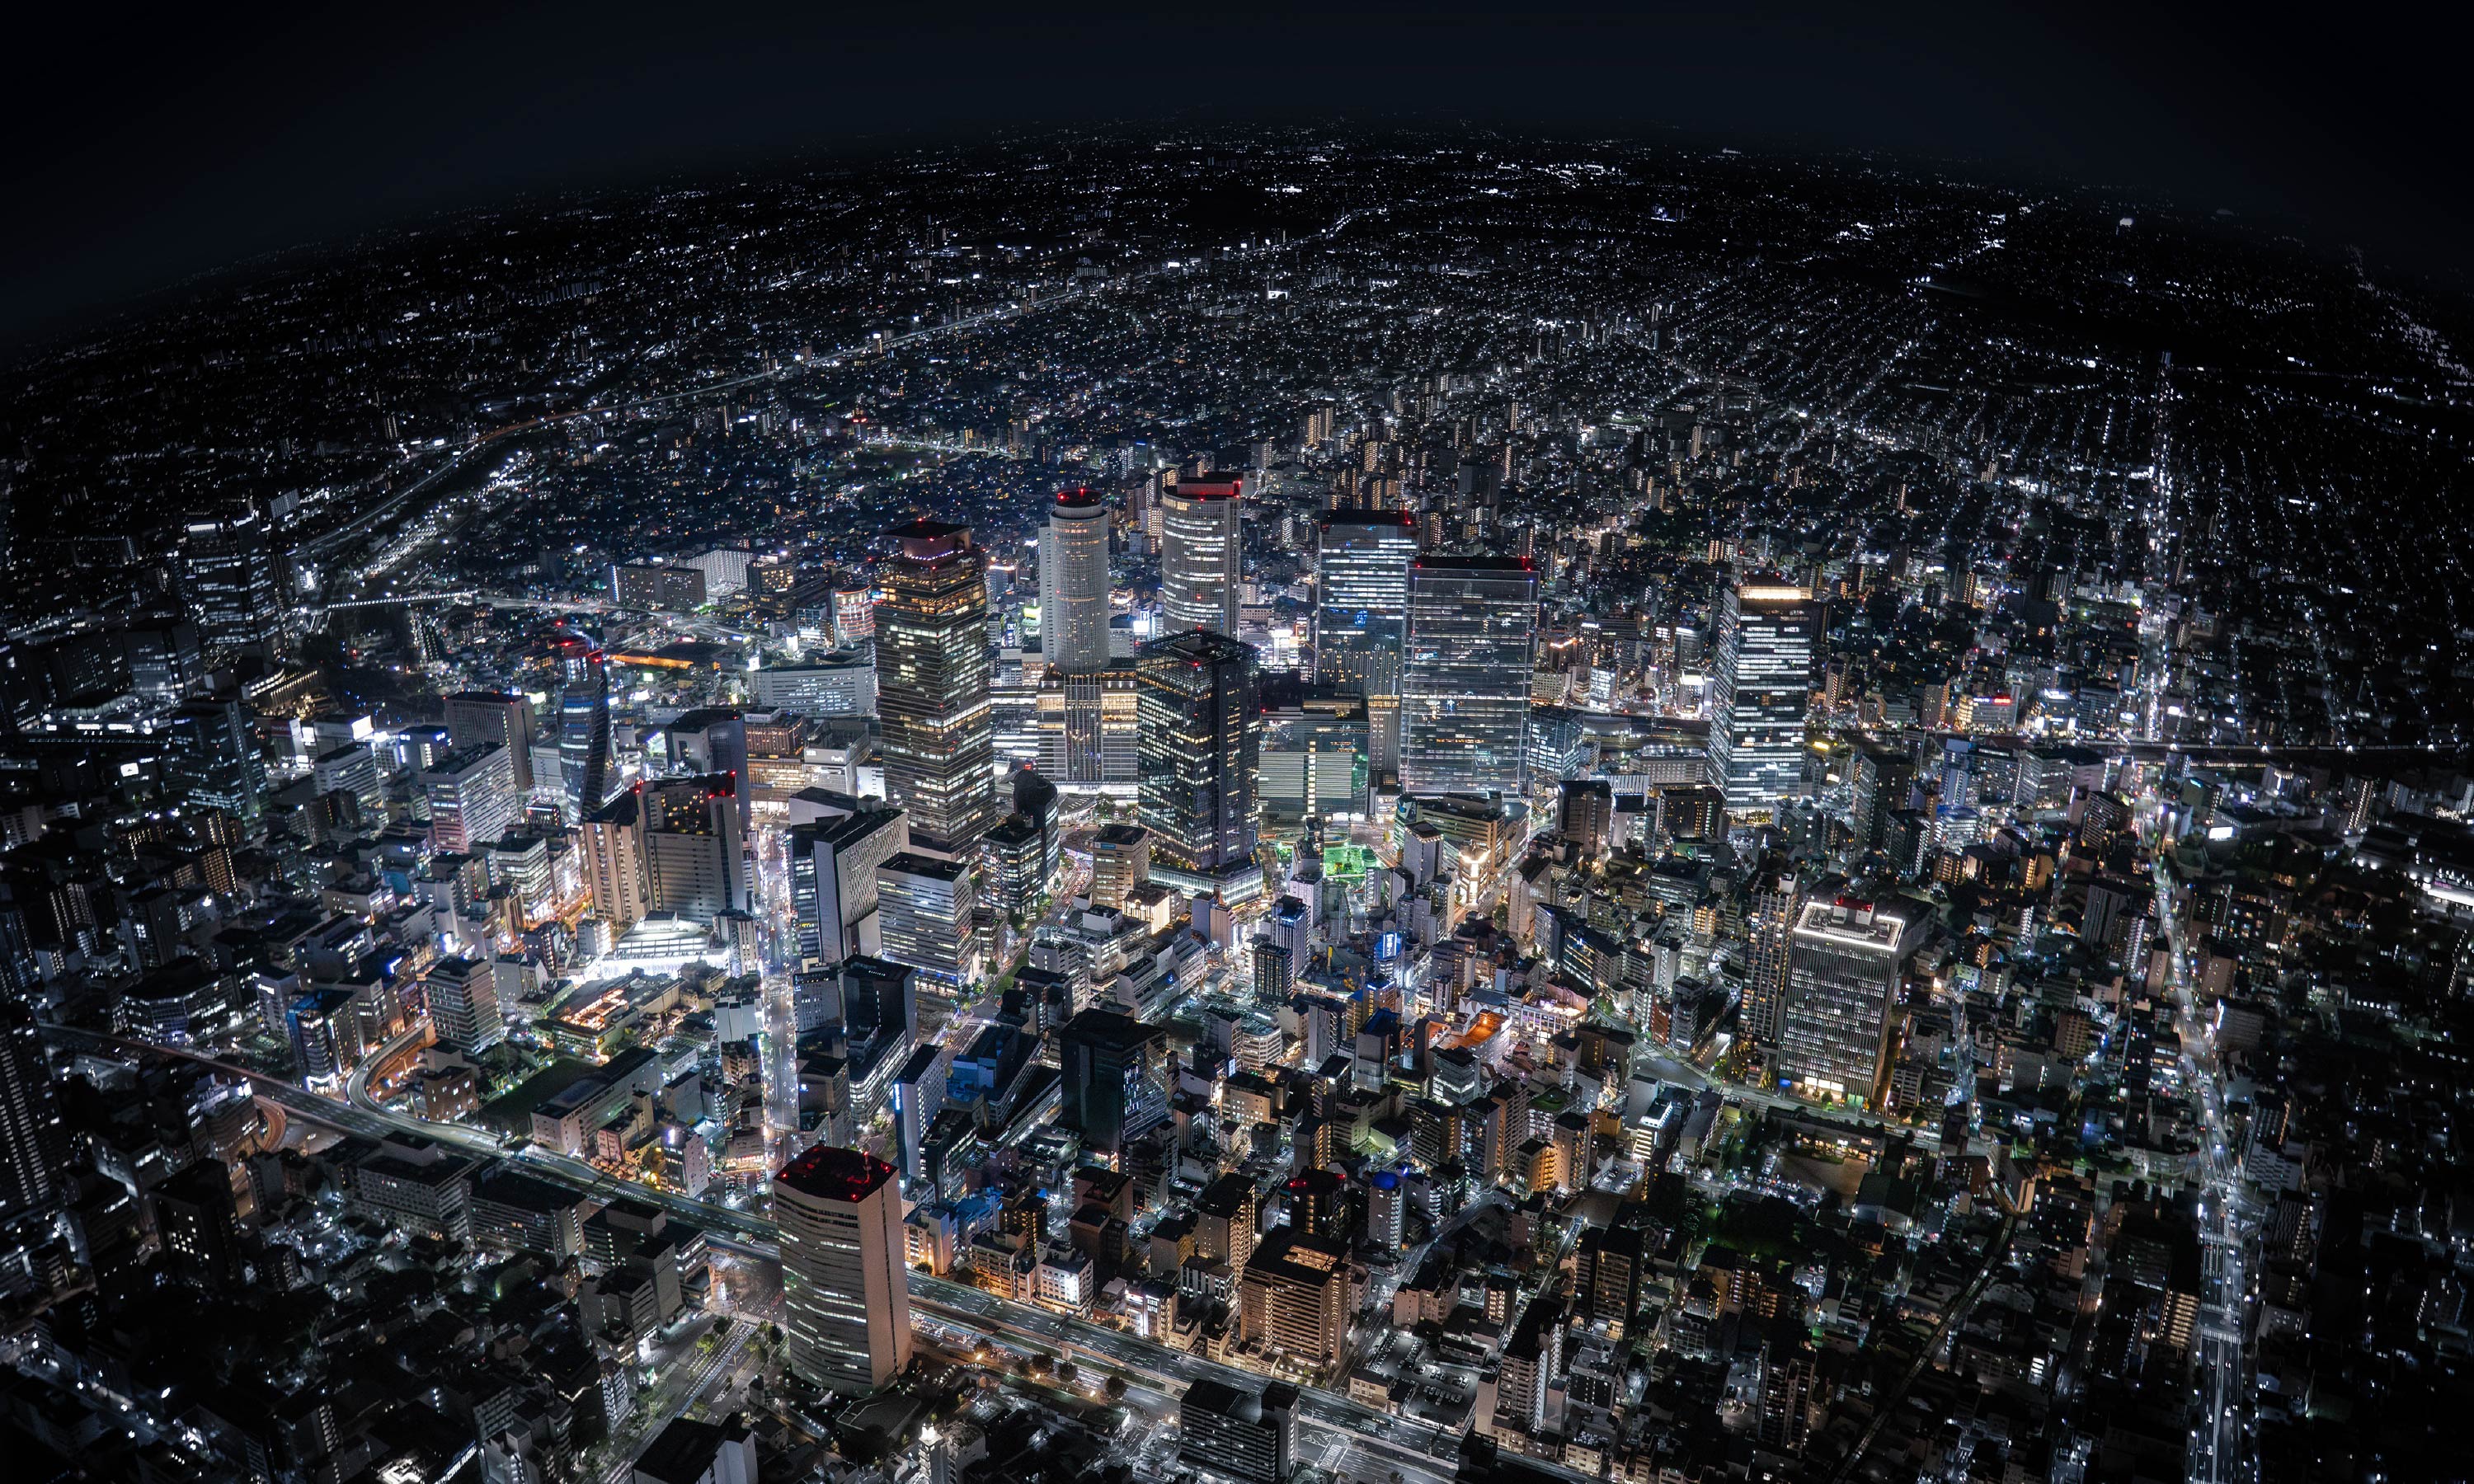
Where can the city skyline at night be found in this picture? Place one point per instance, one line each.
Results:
(1660, 779)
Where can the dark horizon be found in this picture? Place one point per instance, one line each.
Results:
(229, 141)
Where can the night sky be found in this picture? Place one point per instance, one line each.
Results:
(143, 151)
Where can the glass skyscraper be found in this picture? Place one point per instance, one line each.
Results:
(1073, 583)
(1200, 554)
(1202, 746)
(1760, 687)
(934, 679)
(1362, 592)
(1467, 656)
(232, 580)
(584, 736)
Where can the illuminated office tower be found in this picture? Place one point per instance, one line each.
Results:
(1089, 731)
(1843, 969)
(924, 905)
(472, 798)
(1200, 554)
(463, 998)
(1073, 583)
(834, 885)
(210, 760)
(1760, 686)
(584, 736)
(1361, 595)
(933, 679)
(693, 862)
(232, 582)
(1201, 744)
(1362, 590)
(842, 1281)
(478, 716)
(612, 839)
(1314, 758)
(1468, 652)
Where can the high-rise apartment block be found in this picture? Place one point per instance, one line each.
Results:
(1234, 1433)
(1768, 929)
(463, 995)
(1293, 1297)
(694, 863)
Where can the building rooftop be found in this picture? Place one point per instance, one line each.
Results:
(831, 1174)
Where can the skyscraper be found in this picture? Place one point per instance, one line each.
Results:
(478, 716)
(926, 903)
(211, 760)
(1844, 965)
(1201, 552)
(842, 1281)
(613, 841)
(833, 892)
(1073, 583)
(472, 798)
(694, 863)
(1760, 686)
(1361, 594)
(232, 582)
(933, 678)
(1089, 730)
(1771, 922)
(713, 739)
(1113, 1082)
(1884, 777)
(1201, 745)
(1361, 600)
(1293, 1296)
(1314, 757)
(1468, 652)
(584, 735)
